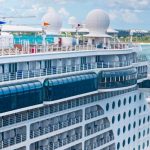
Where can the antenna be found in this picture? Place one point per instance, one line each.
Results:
(20, 17)
(131, 36)
(9, 18)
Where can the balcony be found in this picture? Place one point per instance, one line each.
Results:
(12, 137)
(92, 112)
(96, 126)
(59, 140)
(22, 49)
(118, 78)
(119, 84)
(27, 74)
(53, 124)
(12, 141)
(98, 141)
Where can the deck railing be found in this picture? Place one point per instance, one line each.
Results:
(26, 74)
(12, 141)
(19, 49)
(54, 127)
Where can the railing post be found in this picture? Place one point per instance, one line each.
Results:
(75, 68)
(52, 48)
(9, 77)
(16, 75)
(108, 65)
(28, 73)
(83, 66)
(95, 66)
(22, 75)
(57, 47)
(40, 73)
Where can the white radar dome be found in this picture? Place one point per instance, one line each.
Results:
(52, 22)
(97, 21)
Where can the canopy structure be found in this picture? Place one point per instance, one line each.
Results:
(21, 95)
(70, 79)
(56, 89)
(119, 73)
(24, 87)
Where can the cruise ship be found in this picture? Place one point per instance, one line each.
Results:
(81, 91)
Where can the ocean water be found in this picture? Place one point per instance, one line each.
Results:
(146, 50)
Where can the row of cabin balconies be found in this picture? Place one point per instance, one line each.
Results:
(59, 140)
(12, 141)
(92, 112)
(96, 126)
(26, 74)
(12, 137)
(56, 123)
(50, 109)
(98, 141)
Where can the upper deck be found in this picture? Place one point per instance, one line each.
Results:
(26, 48)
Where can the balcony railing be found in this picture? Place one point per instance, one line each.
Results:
(118, 84)
(44, 48)
(93, 114)
(96, 129)
(54, 127)
(12, 141)
(26, 74)
(97, 142)
(54, 145)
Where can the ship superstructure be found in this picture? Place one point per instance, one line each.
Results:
(75, 94)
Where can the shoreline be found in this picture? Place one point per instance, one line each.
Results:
(144, 43)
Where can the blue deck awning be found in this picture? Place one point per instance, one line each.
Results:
(2, 22)
(19, 88)
(71, 79)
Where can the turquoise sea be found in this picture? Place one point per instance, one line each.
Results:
(146, 50)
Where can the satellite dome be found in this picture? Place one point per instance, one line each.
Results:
(53, 21)
(97, 21)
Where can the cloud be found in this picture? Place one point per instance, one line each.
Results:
(61, 1)
(130, 17)
(127, 11)
(125, 15)
(113, 14)
(64, 12)
(129, 4)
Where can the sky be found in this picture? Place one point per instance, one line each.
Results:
(124, 14)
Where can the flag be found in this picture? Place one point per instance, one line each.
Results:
(45, 24)
(2, 22)
(79, 25)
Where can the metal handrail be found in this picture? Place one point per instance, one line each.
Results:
(39, 48)
(26, 74)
